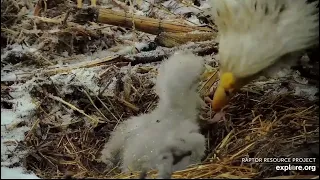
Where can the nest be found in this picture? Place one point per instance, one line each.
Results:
(256, 125)
(73, 120)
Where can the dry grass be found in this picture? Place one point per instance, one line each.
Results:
(257, 123)
(255, 126)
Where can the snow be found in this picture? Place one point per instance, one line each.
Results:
(23, 103)
(22, 109)
(7, 117)
(86, 77)
(297, 85)
(178, 8)
(140, 46)
(17, 49)
(99, 54)
(9, 153)
(16, 173)
(128, 49)
(139, 13)
(204, 5)
(8, 76)
(126, 36)
(194, 20)
(308, 92)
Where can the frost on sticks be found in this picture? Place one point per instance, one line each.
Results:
(70, 77)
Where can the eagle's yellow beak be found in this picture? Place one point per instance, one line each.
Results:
(224, 91)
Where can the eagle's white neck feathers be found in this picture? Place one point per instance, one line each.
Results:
(254, 34)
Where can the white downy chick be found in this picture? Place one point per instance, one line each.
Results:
(170, 131)
(171, 145)
(177, 83)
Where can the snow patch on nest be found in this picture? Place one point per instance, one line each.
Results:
(86, 77)
(306, 91)
(178, 8)
(297, 85)
(22, 107)
(16, 173)
(16, 49)
(8, 76)
(14, 124)
(16, 121)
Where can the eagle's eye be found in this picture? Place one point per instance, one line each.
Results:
(227, 93)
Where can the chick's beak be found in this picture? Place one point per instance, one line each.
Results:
(224, 91)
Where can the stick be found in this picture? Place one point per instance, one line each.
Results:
(144, 24)
(93, 120)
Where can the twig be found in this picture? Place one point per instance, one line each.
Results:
(95, 105)
(94, 121)
(96, 62)
(128, 104)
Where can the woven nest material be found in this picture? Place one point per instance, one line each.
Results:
(256, 125)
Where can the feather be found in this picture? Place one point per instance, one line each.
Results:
(167, 138)
(178, 80)
(255, 34)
